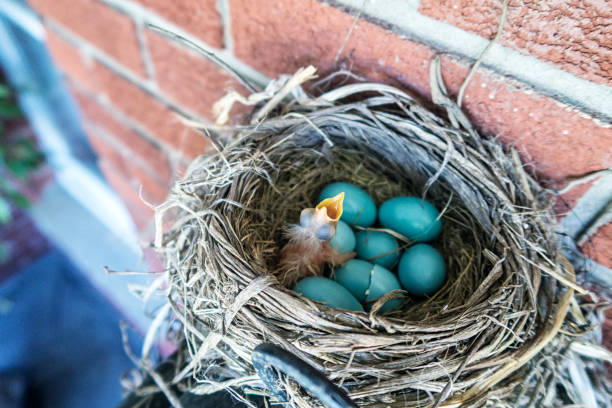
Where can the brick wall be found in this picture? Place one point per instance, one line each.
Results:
(544, 89)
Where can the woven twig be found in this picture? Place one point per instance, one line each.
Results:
(467, 344)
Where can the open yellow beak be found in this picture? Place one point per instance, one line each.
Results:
(332, 207)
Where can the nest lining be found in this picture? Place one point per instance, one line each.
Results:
(496, 306)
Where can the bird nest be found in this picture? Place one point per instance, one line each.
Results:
(506, 295)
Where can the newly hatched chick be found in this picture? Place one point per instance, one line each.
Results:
(308, 249)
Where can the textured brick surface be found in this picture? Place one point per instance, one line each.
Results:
(71, 61)
(567, 201)
(277, 38)
(123, 163)
(152, 191)
(107, 153)
(599, 246)
(198, 17)
(575, 35)
(189, 79)
(150, 155)
(160, 121)
(109, 30)
(140, 212)
(555, 141)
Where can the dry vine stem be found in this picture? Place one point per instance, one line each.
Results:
(468, 344)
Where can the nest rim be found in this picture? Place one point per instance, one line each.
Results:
(254, 289)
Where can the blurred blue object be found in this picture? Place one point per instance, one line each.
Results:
(54, 116)
(30, 70)
(60, 342)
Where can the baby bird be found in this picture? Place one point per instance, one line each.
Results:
(308, 248)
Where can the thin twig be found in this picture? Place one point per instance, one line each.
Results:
(350, 31)
(500, 29)
(207, 53)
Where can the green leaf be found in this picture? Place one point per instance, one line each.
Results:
(5, 211)
(4, 252)
(18, 168)
(19, 200)
(9, 109)
(5, 91)
(5, 185)
(25, 150)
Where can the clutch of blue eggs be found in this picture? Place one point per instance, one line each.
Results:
(391, 249)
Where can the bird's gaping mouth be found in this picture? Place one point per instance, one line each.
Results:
(332, 206)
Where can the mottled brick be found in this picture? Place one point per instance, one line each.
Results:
(279, 38)
(599, 246)
(155, 160)
(106, 152)
(198, 17)
(159, 120)
(107, 29)
(137, 177)
(154, 192)
(72, 62)
(142, 215)
(575, 35)
(554, 141)
(188, 78)
(564, 203)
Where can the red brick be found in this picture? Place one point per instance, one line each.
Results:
(599, 246)
(198, 17)
(180, 171)
(277, 38)
(107, 153)
(575, 35)
(154, 192)
(160, 121)
(559, 143)
(134, 174)
(107, 29)
(153, 259)
(71, 61)
(189, 79)
(156, 161)
(157, 118)
(567, 201)
(142, 215)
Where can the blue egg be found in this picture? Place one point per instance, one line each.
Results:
(422, 270)
(383, 282)
(412, 217)
(354, 275)
(367, 282)
(372, 244)
(358, 207)
(344, 239)
(328, 292)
